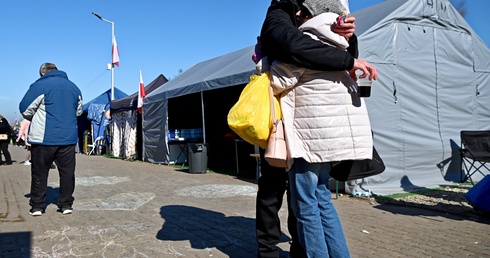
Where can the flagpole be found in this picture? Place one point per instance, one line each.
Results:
(111, 64)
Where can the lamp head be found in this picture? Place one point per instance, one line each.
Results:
(98, 15)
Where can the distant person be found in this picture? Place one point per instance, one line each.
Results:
(23, 135)
(6, 131)
(52, 104)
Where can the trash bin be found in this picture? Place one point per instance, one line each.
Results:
(198, 158)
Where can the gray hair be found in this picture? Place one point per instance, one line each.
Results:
(316, 7)
(46, 67)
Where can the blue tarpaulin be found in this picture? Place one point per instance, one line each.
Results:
(94, 112)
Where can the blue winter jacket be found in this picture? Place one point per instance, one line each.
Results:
(52, 104)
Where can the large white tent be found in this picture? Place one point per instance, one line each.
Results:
(434, 81)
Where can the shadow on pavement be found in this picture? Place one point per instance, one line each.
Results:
(433, 202)
(207, 229)
(52, 195)
(15, 244)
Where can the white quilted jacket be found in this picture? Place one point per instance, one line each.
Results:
(324, 118)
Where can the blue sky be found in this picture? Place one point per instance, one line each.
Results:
(156, 37)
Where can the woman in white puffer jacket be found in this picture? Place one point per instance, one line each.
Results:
(325, 119)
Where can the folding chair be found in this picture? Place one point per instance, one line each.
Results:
(256, 155)
(95, 145)
(475, 153)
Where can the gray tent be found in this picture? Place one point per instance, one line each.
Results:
(126, 123)
(233, 69)
(434, 82)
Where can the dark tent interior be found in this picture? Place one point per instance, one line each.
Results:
(186, 112)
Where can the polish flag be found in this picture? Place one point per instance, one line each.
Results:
(141, 94)
(115, 52)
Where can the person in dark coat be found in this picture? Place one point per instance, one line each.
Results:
(281, 40)
(4, 144)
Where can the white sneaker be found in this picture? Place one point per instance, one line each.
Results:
(36, 212)
(66, 210)
(27, 163)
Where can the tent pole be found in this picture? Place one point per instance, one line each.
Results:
(203, 124)
(142, 134)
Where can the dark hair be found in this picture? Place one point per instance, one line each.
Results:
(305, 12)
(46, 67)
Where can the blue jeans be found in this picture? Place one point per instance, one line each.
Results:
(319, 228)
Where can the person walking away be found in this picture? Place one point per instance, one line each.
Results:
(6, 130)
(23, 135)
(52, 104)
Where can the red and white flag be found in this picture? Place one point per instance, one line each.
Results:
(141, 94)
(115, 52)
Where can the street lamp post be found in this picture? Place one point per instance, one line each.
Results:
(111, 65)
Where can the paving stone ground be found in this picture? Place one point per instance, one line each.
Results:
(138, 209)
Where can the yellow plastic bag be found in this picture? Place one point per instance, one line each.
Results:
(250, 117)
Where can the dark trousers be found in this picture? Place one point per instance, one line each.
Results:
(41, 158)
(4, 146)
(272, 184)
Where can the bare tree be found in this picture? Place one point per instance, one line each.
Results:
(460, 6)
(180, 71)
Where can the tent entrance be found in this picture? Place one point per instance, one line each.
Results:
(185, 112)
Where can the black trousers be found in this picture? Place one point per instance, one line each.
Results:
(273, 183)
(4, 146)
(41, 158)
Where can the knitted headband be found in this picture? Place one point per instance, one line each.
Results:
(317, 7)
